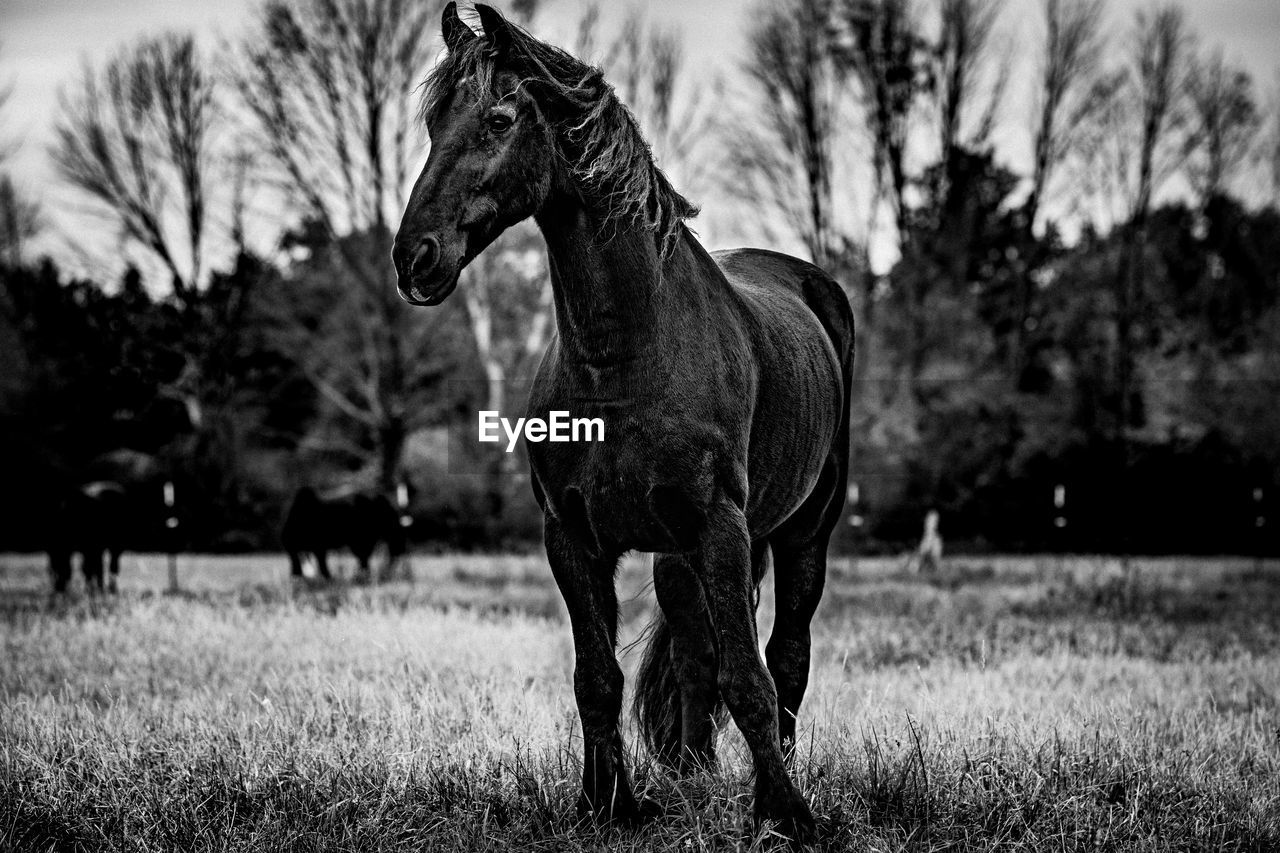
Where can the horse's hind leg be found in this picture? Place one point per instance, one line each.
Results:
(799, 574)
(724, 552)
(693, 657)
(60, 568)
(800, 570)
(364, 561)
(91, 568)
(587, 585)
(113, 564)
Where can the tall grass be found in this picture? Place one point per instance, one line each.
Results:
(1004, 705)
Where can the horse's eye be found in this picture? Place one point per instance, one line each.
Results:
(499, 123)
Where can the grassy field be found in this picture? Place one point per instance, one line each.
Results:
(1008, 704)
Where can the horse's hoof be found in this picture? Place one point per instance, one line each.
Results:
(791, 816)
(647, 810)
(626, 813)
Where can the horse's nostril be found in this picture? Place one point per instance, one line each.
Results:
(424, 259)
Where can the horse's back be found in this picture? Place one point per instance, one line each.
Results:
(761, 271)
(305, 525)
(350, 519)
(95, 516)
(803, 346)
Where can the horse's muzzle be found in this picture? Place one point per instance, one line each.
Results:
(416, 293)
(418, 273)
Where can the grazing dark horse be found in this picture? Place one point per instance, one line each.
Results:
(115, 507)
(723, 381)
(92, 521)
(315, 526)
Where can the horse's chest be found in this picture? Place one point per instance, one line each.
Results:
(642, 488)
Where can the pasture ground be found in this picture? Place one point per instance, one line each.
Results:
(1032, 704)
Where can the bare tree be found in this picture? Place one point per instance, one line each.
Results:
(1158, 78)
(1064, 83)
(785, 158)
(328, 85)
(646, 65)
(376, 365)
(1270, 148)
(7, 146)
(20, 217)
(136, 138)
(1136, 139)
(1073, 46)
(1136, 129)
(1100, 162)
(884, 48)
(20, 221)
(969, 74)
(1225, 125)
(964, 55)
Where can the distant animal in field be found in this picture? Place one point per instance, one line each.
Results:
(927, 558)
(93, 521)
(359, 523)
(723, 380)
(114, 506)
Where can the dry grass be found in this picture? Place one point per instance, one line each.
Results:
(1012, 704)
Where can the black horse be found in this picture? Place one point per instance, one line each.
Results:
(114, 506)
(723, 381)
(358, 522)
(92, 520)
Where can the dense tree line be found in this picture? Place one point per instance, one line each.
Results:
(1076, 354)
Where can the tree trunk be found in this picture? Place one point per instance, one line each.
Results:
(391, 442)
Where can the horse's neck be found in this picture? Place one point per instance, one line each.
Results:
(608, 291)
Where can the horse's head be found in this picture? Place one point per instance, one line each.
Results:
(491, 162)
(515, 122)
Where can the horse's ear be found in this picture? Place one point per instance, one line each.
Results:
(455, 32)
(496, 27)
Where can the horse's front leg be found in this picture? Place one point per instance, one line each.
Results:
(60, 568)
(322, 564)
(91, 568)
(724, 552)
(587, 585)
(113, 565)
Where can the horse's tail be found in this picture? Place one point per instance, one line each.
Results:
(657, 702)
(828, 301)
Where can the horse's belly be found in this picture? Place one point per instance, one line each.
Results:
(793, 429)
(777, 493)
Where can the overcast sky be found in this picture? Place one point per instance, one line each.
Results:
(44, 42)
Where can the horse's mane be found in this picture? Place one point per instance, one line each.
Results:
(597, 136)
